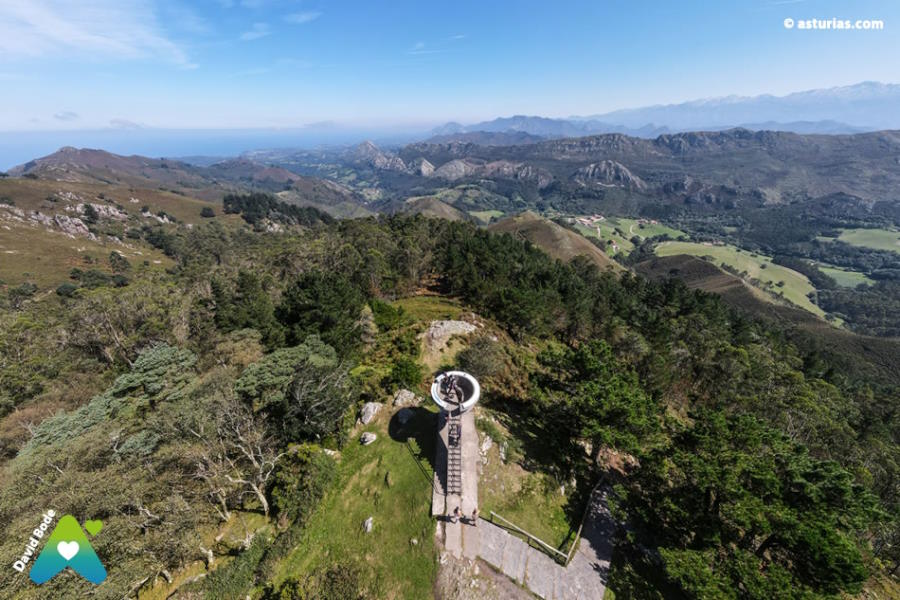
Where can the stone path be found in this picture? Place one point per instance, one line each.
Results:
(586, 576)
(587, 573)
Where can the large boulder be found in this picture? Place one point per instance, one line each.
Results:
(405, 398)
(368, 412)
(440, 332)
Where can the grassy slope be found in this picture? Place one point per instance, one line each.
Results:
(431, 206)
(877, 239)
(485, 216)
(630, 227)
(869, 356)
(760, 267)
(555, 240)
(385, 481)
(31, 252)
(530, 499)
(843, 277)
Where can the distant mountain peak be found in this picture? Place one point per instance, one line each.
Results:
(865, 106)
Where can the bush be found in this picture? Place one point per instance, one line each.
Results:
(342, 581)
(118, 262)
(234, 580)
(299, 482)
(20, 293)
(483, 358)
(406, 372)
(67, 290)
(90, 214)
(207, 212)
(386, 316)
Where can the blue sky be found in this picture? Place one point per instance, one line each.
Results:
(90, 64)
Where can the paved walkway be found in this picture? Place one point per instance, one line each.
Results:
(585, 577)
(587, 573)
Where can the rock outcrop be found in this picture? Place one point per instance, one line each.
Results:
(609, 173)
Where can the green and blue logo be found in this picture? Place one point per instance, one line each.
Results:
(67, 546)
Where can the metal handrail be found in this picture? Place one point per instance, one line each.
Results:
(583, 518)
(529, 536)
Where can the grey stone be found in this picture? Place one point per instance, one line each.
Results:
(367, 438)
(368, 412)
(368, 524)
(405, 398)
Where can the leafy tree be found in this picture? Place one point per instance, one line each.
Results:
(326, 304)
(602, 398)
(304, 390)
(247, 306)
(739, 510)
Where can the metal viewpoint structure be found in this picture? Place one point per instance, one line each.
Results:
(455, 391)
(456, 462)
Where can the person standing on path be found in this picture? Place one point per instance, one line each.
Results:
(456, 514)
(475, 517)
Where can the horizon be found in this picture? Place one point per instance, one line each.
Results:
(18, 147)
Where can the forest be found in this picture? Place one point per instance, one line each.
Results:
(756, 467)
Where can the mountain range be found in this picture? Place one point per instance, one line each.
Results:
(866, 106)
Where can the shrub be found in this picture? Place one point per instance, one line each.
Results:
(118, 262)
(67, 290)
(207, 212)
(234, 580)
(483, 358)
(90, 214)
(300, 481)
(342, 581)
(406, 372)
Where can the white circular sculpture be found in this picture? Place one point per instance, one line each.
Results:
(455, 390)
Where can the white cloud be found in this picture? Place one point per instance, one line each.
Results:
(121, 29)
(259, 30)
(66, 115)
(420, 48)
(303, 17)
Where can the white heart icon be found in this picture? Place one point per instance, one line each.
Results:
(67, 549)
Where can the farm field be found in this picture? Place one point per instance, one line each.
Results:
(773, 278)
(877, 239)
(843, 277)
(620, 230)
(486, 215)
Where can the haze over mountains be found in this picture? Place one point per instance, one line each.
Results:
(866, 106)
